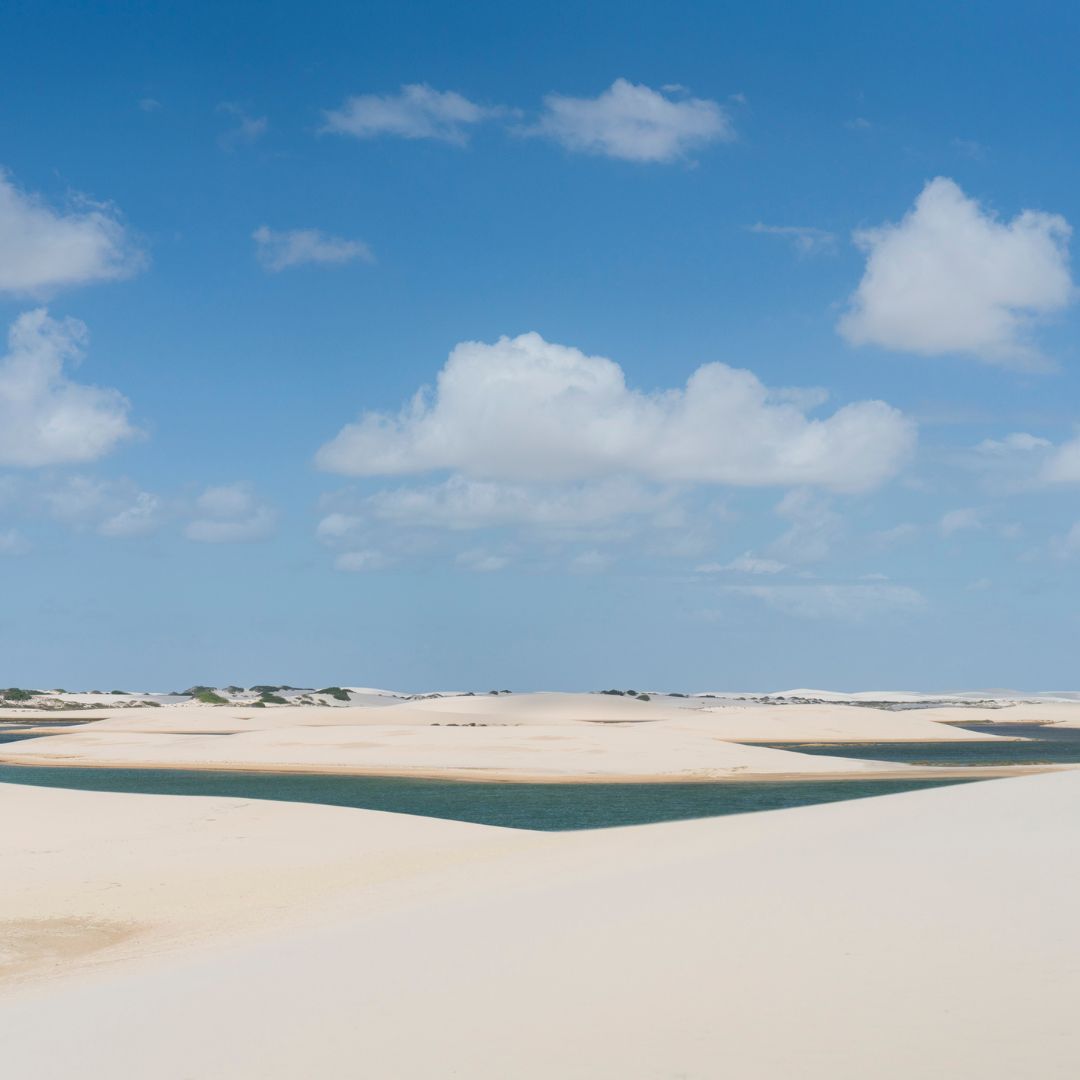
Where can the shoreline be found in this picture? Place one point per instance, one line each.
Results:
(503, 776)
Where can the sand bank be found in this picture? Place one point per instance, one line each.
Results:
(553, 737)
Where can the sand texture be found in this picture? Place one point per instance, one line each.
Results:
(925, 934)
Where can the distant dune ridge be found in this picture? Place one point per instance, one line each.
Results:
(502, 736)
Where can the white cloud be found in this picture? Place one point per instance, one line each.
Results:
(416, 112)
(460, 503)
(482, 562)
(526, 411)
(1063, 465)
(747, 563)
(137, 519)
(852, 603)
(247, 129)
(114, 508)
(952, 278)
(804, 238)
(357, 562)
(336, 525)
(296, 247)
(46, 249)
(634, 123)
(958, 520)
(229, 514)
(1024, 462)
(45, 418)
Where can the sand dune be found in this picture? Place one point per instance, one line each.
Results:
(925, 934)
(538, 736)
(522, 736)
(555, 751)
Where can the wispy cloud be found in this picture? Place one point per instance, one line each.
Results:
(417, 111)
(246, 128)
(848, 603)
(280, 250)
(805, 239)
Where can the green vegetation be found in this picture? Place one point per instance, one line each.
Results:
(335, 692)
(124, 692)
(14, 693)
(272, 699)
(208, 697)
(643, 697)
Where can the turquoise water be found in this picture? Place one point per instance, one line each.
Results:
(1043, 745)
(548, 807)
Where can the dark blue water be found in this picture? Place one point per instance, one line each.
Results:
(548, 807)
(1044, 744)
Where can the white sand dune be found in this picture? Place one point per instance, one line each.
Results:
(925, 934)
(555, 751)
(539, 736)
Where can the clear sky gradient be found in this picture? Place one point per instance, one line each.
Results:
(428, 345)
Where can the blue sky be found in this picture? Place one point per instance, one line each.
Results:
(748, 337)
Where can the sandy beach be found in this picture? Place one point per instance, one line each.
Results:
(211, 938)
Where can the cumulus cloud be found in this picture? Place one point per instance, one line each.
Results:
(1021, 461)
(851, 603)
(952, 278)
(805, 239)
(229, 514)
(526, 411)
(45, 417)
(114, 508)
(416, 112)
(46, 249)
(1062, 466)
(279, 250)
(634, 123)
